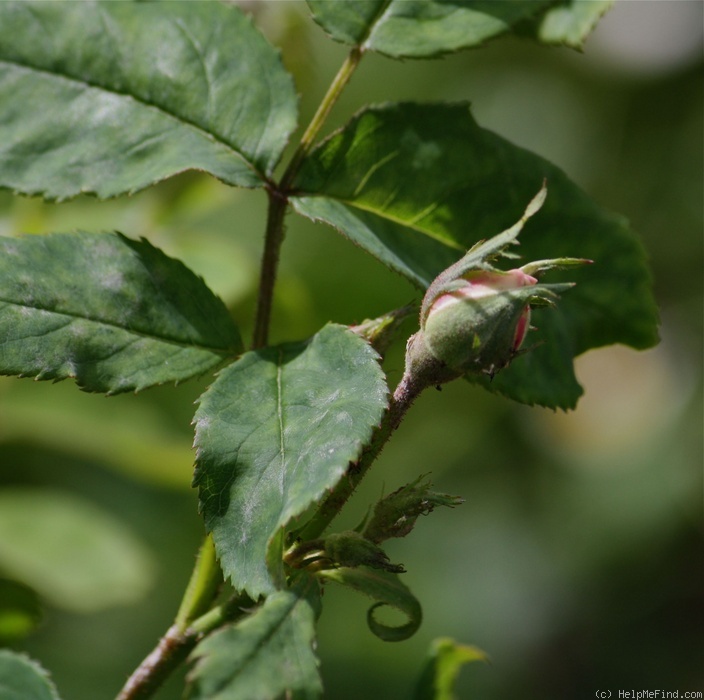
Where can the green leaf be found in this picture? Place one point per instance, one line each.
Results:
(387, 590)
(24, 679)
(74, 554)
(418, 185)
(109, 98)
(571, 22)
(266, 654)
(113, 313)
(420, 28)
(20, 610)
(446, 657)
(275, 431)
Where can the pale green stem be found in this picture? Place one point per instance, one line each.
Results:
(202, 587)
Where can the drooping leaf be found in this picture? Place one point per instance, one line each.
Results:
(440, 671)
(266, 654)
(113, 313)
(420, 28)
(110, 98)
(274, 432)
(75, 555)
(418, 185)
(24, 679)
(388, 590)
(20, 610)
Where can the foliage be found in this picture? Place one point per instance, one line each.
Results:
(117, 97)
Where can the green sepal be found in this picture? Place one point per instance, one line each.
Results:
(386, 589)
(353, 549)
(480, 256)
(396, 514)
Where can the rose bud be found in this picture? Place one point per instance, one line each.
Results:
(481, 323)
(475, 317)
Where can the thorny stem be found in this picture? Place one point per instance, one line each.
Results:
(182, 636)
(405, 394)
(175, 646)
(278, 200)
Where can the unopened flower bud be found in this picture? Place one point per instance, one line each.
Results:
(480, 324)
(475, 317)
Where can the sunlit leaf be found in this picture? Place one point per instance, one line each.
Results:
(74, 554)
(264, 655)
(113, 313)
(275, 431)
(24, 679)
(420, 28)
(571, 21)
(112, 97)
(417, 185)
(446, 658)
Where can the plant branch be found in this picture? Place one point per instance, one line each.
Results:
(273, 239)
(169, 653)
(278, 201)
(175, 646)
(202, 586)
(405, 394)
(193, 618)
(334, 91)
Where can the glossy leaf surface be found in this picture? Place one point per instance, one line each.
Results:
(113, 313)
(420, 28)
(274, 432)
(266, 654)
(24, 679)
(109, 98)
(417, 185)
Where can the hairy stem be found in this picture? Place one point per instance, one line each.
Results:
(192, 620)
(405, 394)
(175, 646)
(278, 201)
(169, 653)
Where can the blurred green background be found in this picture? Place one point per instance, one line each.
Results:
(576, 562)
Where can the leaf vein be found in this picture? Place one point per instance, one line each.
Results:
(211, 135)
(111, 324)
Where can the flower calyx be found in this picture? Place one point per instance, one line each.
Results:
(475, 317)
(395, 515)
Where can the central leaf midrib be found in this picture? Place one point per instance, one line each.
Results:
(150, 105)
(166, 339)
(382, 215)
